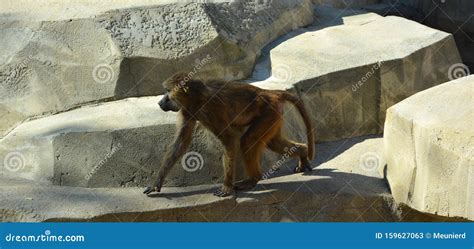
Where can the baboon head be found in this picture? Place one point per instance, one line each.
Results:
(180, 89)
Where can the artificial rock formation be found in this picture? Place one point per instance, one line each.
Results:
(429, 148)
(75, 114)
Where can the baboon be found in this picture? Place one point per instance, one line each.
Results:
(245, 118)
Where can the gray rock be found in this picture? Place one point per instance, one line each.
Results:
(429, 148)
(351, 73)
(102, 54)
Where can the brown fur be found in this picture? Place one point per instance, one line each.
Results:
(245, 118)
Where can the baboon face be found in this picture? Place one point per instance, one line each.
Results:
(170, 101)
(167, 104)
(181, 91)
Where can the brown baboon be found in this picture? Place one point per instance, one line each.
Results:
(245, 118)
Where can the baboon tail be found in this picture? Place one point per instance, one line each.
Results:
(298, 103)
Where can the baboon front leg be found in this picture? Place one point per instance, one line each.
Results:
(174, 153)
(289, 148)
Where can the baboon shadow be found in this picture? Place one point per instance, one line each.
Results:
(325, 152)
(326, 180)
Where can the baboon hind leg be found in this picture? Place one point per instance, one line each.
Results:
(253, 142)
(290, 148)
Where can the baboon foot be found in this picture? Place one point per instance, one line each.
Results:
(149, 190)
(303, 167)
(156, 188)
(246, 184)
(224, 191)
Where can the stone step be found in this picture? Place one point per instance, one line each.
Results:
(345, 186)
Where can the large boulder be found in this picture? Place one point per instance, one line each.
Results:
(124, 50)
(351, 73)
(429, 148)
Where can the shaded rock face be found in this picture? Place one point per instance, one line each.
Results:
(345, 3)
(429, 149)
(129, 52)
(454, 17)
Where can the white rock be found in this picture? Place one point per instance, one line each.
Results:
(429, 148)
(349, 74)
